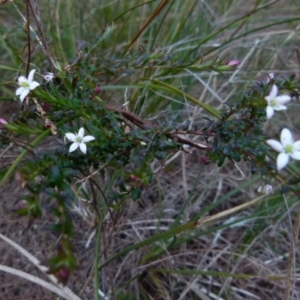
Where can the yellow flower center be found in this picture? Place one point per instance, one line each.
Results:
(288, 148)
(274, 103)
(78, 139)
(24, 84)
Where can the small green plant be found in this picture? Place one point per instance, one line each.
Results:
(108, 117)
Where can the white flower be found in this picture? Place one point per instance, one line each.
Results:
(26, 85)
(48, 76)
(287, 148)
(265, 189)
(275, 102)
(79, 140)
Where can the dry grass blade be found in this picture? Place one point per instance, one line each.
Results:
(290, 278)
(65, 290)
(36, 280)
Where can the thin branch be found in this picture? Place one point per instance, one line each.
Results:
(145, 124)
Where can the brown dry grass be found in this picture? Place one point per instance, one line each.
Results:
(227, 251)
(265, 257)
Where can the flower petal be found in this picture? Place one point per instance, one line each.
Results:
(73, 147)
(295, 155)
(30, 76)
(81, 132)
(268, 99)
(22, 79)
(71, 137)
(82, 147)
(283, 99)
(87, 138)
(282, 160)
(19, 91)
(286, 137)
(33, 85)
(277, 146)
(279, 107)
(296, 146)
(274, 91)
(24, 94)
(270, 112)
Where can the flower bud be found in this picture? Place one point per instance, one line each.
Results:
(234, 63)
(265, 189)
(2, 123)
(97, 89)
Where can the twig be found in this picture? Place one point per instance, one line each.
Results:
(145, 124)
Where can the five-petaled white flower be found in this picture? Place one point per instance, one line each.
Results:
(275, 102)
(26, 85)
(79, 140)
(287, 148)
